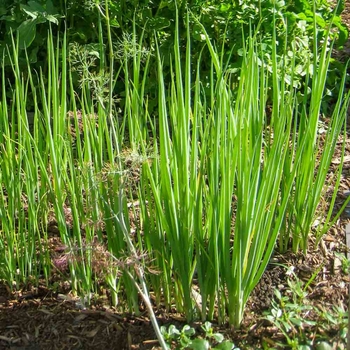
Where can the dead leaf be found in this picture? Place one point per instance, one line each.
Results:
(346, 279)
(93, 332)
(338, 160)
(80, 318)
(337, 264)
(6, 339)
(47, 312)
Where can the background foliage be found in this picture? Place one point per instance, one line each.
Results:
(225, 21)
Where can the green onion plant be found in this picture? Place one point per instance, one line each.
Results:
(318, 149)
(222, 184)
(221, 180)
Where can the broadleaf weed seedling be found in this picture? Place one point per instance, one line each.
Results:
(187, 339)
(337, 319)
(295, 318)
(345, 262)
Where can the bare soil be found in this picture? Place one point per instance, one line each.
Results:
(42, 318)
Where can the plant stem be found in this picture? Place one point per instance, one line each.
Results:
(139, 272)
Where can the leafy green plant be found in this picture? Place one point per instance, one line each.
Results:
(187, 339)
(37, 14)
(23, 19)
(345, 262)
(299, 321)
(84, 25)
(337, 321)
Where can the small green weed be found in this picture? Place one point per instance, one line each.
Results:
(345, 262)
(185, 339)
(303, 325)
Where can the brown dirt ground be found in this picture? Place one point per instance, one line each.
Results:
(42, 319)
